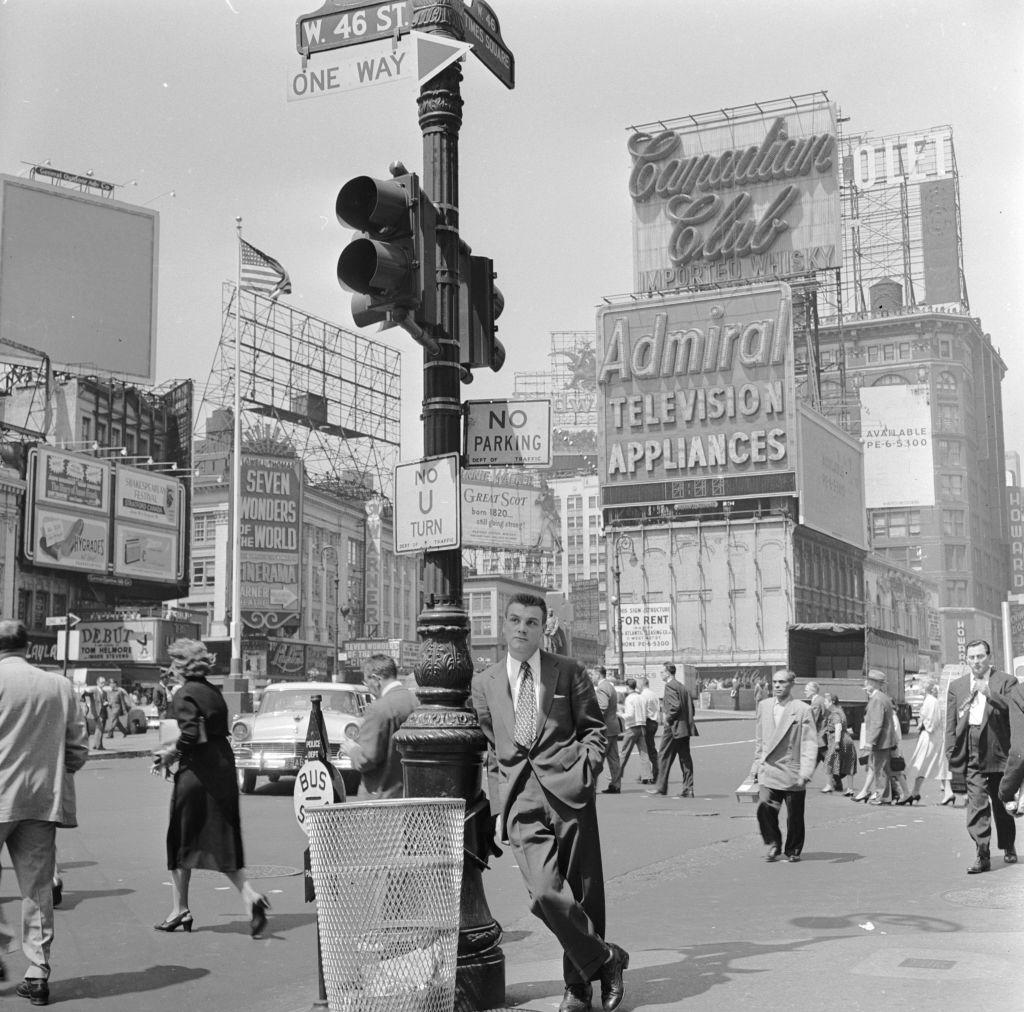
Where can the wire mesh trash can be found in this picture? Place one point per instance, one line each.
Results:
(387, 876)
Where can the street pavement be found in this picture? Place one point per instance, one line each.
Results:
(879, 913)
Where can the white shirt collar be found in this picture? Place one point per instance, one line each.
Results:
(395, 684)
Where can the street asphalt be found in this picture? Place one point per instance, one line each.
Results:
(878, 914)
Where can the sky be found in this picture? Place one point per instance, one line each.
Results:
(190, 96)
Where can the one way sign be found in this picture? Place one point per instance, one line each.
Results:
(383, 62)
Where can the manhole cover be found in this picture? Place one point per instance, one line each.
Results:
(995, 897)
(929, 964)
(266, 871)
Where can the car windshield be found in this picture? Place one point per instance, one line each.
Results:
(331, 701)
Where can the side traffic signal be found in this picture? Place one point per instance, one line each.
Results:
(480, 304)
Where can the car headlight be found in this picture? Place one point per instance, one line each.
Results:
(240, 730)
(351, 730)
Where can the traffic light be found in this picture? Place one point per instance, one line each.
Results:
(389, 264)
(480, 304)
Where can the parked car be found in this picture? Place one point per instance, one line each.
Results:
(272, 741)
(152, 716)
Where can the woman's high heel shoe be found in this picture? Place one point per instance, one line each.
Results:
(909, 799)
(183, 920)
(863, 798)
(949, 801)
(258, 920)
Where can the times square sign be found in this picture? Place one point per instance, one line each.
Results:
(738, 199)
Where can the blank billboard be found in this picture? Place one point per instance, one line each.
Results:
(78, 278)
(896, 432)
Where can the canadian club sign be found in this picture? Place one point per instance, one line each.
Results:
(749, 195)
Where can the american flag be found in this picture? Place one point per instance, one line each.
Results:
(261, 273)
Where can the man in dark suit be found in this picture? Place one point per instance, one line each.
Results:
(680, 726)
(879, 736)
(546, 741)
(977, 744)
(608, 704)
(373, 752)
(1014, 775)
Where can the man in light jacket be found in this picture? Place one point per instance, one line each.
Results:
(42, 743)
(879, 736)
(785, 754)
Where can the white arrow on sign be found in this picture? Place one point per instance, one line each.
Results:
(62, 620)
(379, 62)
(434, 53)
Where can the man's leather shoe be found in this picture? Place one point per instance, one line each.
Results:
(577, 998)
(660, 794)
(1010, 856)
(611, 790)
(793, 858)
(773, 852)
(981, 862)
(685, 794)
(35, 989)
(612, 986)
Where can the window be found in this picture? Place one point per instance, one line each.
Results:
(101, 433)
(24, 605)
(956, 593)
(895, 523)
(889, 352)
(946, 383)
(40, 609)
(953, 525)
(204, 528)
(945, 349)
(955, 557)
(950, 452)
(86, 429)
(904, 349)
(951, 486)
(890, 379)
(949, 418)
(873, 353)
(203, 572)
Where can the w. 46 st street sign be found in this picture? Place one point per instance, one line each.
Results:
(339, 24)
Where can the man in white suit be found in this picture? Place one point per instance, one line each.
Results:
(785, 754)
(546, 735)
(42, 743)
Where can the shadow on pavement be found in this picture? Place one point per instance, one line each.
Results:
(839, 857)
(276, 923)
(698, 970)
(72, 897)
(107, 985)
(912, 922)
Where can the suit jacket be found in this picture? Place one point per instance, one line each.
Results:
(994, 737)
(1014, 697)
(608, 704)
(879, 731)
(570, 743)
(42, 743)
(784, 754)
(374, 753)
(819, 714)
(677, 705)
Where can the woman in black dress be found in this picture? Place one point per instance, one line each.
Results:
(205, 828)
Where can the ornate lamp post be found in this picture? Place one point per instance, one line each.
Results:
(621, 544)
(337, 577)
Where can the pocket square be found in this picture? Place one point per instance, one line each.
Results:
(557, 696)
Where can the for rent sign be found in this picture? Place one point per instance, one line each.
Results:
(697, 396)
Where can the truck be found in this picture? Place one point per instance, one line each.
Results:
(837, 655)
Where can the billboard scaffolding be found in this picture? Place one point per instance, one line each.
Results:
(335, 397)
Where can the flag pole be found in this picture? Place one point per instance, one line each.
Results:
(235, 671)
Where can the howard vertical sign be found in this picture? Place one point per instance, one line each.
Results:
(271, 540)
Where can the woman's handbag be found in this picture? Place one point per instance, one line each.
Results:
(897, 764)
